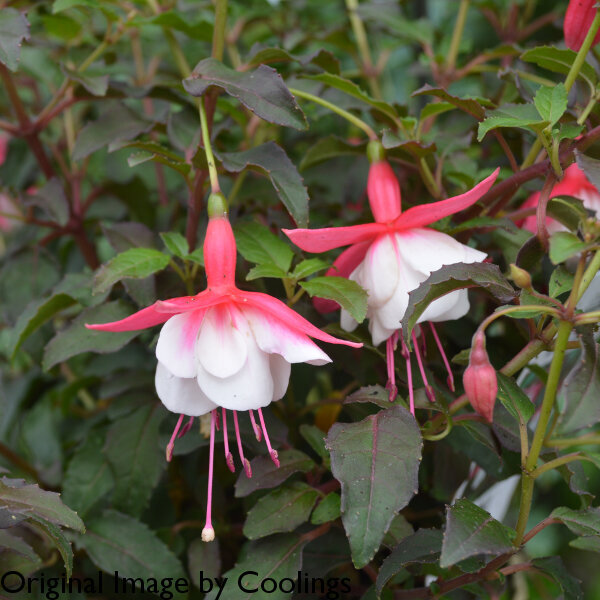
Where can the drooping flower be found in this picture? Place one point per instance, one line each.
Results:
(392, 256)
(480, 380)
(224, 347)
(574, 183)
(578, 19)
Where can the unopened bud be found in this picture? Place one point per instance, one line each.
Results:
(521, 277)
(479, 379)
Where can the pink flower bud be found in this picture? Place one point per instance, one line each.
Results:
(481, 384)
(383, 190)
(578, 19)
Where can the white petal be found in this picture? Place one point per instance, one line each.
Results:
(455, 306)
(591, 200)
(176, 343)
(347, 322)
(250, 388)
(379, 333)
(221, 348)
(280, 372)
(275, 337)
(380, 270)
(181, 395)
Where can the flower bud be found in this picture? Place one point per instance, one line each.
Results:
(479, 379)
(520, 276)
(383, 190)
(578, 19)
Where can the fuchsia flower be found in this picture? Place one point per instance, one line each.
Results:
(479, 379)
(578, 19)
(574, 183)
(225, 347)
(392, 256)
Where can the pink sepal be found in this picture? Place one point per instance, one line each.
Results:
(219, 253)
(383, 190)
(321, 240)
(425, 214)
(147, 317)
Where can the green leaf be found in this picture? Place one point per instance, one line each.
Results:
(96, 85)
(14, 28)
(315, 439)
(377, 462)
(259, 245)
(52, 201)
(581, 387)
(330, 147)
(17, 497)
(277, 557)
(568, 211)
(350, 88)
(551, 102)
(590, 166)
(514, 398)
(472, 106)
(136, 459)
(391, 140)
(374, 394)
(563, 245)
(283, 509)
(559, 61)
(266, 475)
(266, 270)
(60, 5)
(262, 91)
(524, 116)
(399, 530)
(347, 293)
(88, 478)
(329, 509)
(591, 543)
(197, 29)
(272, 160)
(308, 267)
(423, 546)
(471, 531)
(175, 243)
(117, 542)
(139, 158)
(454, 277)
(580, 522)
(16, 544)
(59, 541)
(321, 58)
(75, 338)
(117, 123)
(554, 567)
(135, 263)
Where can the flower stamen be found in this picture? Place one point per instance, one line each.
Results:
(244, 460)
(208, 533)
(428, 388)
(256, 428)
(450, 378)
(186, 427)
(390, 347)
(411, 396)
(228, 455)
(171, 444)
(272, 452)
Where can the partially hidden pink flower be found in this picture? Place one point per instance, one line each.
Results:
(480, 380)
(392, 256)
(225, 348)
(574, 183)
(578, 19)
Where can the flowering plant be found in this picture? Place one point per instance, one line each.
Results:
(400, 367)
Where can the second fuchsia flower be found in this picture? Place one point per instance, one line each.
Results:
(225, 348)
(578, 19)
(393, 255)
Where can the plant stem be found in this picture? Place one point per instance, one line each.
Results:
(459, 27)
(428, 178)
(590, 439)
(583, 51)
(336, 109)
(363, 47)
(557, 462)
(210, 159)
(218, 42)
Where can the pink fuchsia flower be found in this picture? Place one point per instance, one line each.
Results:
(392, 256)
(574, 183)
(225, 348)
(578, 19)
(480, 380)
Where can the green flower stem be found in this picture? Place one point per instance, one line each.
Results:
(521, 308)
(555, 463)
(428, 178)
(363, 47)
(336, 109)
(589, 439)
(587, 110)
(218, 42)
(589, 274)
(459, 27)
(210, 159)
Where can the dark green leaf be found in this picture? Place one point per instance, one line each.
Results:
(391, 140)
(563, 245)
(329, 509)
(591, 543)
(58, 540)
(374, 394)
(14, 28)
(330, 147)
(568, 211)
(321, 58)
(175, 243)
(580, 522)
(75, 338)
(16, 544)
(117, 542)
(561, 281)
(52, 201)
(266, 475)
(551, 102)
(377, 462)
(262, 91)
(97, 85)
(524, 116)
(197, 29)
(259, 245)
(136, 459)
(473, 106)
(471, 531)
(135, 263)
(514, 398)
(347, 293)
(422, 546)
(554, 567)
(272, 160)
(454, 277)
(590, 166)
(315, 438)
(283, 509)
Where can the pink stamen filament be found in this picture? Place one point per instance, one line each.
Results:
(423, 341)
(428, 388)
(411, 396)
(273, 453)
(171, 444)
(256, 428)
(245, 461)
(450, 378)
(186, 427)
(391, 369)
(228, 455)
(208, 533)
